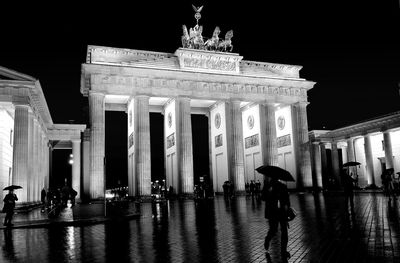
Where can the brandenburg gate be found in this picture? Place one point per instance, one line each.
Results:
(256, 111)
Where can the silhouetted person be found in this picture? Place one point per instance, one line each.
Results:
(277, 202)
(247, 188)
(389, 184)
(252, 188)
(43, 198)
(64, 195)
(348, 187)
(225, 187)
(9, 205)
(73, 195)
(257, 189)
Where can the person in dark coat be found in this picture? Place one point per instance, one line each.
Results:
(252, 188)
(276, 197)
(348, 187)
(9, 205)
(73, 195)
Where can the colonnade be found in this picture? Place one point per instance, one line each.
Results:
(320, 164)
(30, 154)
(139, 174)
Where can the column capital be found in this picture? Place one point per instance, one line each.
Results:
(96, 93)
(76, 140)
(301, 103)
(21, 101)
(141, 96)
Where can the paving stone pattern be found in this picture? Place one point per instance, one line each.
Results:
(220, 231)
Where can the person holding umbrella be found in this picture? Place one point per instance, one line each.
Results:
(9, 204)
(277, 203)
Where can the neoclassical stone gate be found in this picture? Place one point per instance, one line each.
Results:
(257, 114)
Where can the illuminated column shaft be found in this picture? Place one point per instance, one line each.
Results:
(20, 150)
(97, 145)
(350, 150)
(76, 167)
(335, 162)
(324, 166)
(142, 145)
(369, 160)
(185, 150)
(31, 157)
(268, 134)
(317, 167)
(234, 134)
(300, 131)
(388, 149)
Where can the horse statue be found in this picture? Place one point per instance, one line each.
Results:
(185, 38)
(212, 43)
(196, 38)
(227, 43)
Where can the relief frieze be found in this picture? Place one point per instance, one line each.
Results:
(188, 86)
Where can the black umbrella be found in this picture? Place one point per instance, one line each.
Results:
(275, 172)
(351, 164)
(12, 187)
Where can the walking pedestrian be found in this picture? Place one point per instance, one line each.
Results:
(348, 187)
(43, 199)
(9, 205)
(252, 188)
(389, 184)
(277, 203)
(225, 187)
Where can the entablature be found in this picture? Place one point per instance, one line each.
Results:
(155, 82)
(384, 123)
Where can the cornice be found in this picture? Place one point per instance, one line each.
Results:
(379, 124)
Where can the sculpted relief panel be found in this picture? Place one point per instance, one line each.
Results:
(188, 87)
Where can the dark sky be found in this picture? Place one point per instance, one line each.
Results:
(351, 50)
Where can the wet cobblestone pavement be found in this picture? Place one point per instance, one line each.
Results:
(220, 231)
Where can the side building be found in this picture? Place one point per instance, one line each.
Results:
(28, 136)
(374, 143)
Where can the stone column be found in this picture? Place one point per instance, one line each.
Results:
(302, 145)
(48, 164)
(268, 134)
(50, 149)
(40, 164)
(31, 156)
(35, 171)
(97, 145)
(317, 167)
(350, 150)
(185, 147)
(76, 167)
(344, 154)
(369, 160)
(234, 134)
(86, 164)
(20, 150)
(335, 162)
(324, 166)
(388, 149)
(142, 145)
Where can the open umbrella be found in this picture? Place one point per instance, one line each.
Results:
(275, 172)
(351, 164)
(12, 187)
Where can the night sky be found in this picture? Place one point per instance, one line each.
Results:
(352, 50)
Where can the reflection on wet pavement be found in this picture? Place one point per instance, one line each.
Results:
(220, 231)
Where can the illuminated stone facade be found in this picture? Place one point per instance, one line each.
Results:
(256, 110)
